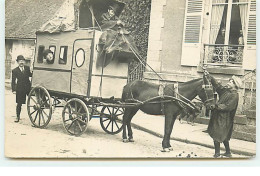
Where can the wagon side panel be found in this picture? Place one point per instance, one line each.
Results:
(109, 81)
(58, 75)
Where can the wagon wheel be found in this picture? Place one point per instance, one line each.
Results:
(111, 119)
(39, 107)
(75, 117)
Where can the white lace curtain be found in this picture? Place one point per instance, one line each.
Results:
(243, 8)
(216, 17)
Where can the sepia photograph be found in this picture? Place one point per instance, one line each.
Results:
(130, 79)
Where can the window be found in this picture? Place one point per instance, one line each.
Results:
(40, 54)
(228, 36)
(63, 55)
(53, 49)
(228, 22)
(80, 57)
(85, 16)
(50, 56)
(227, 31)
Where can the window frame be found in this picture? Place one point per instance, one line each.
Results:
(54, 52)
(40, 54)
(227, 26)
(65, 53)
(76, 63)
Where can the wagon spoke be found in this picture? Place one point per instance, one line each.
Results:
(112, 125)
(122, 111)
(105, 120)
(70, 107)
(76, 107)
(117, 110)
(39, 122)
(74, 129)
(119, 114)
(35, 116)
(33, 112)
(39, 94)
(33, 100)
(43, 118)
(108, 124)
(45, 113)
(81, 120)
(79, 109)
(44, 102)
(67, 120)
(116, 125)
(103, 115)
(67, 112)
(71, 124)
(42, 95)
(32, 93)
(79, 125)
(109, 110)
(80, 114)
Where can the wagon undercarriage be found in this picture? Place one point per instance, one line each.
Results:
(78, 111)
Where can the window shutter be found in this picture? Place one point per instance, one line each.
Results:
(249, 59)
(191, 44)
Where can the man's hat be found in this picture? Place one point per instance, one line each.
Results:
(237, 81)
(46, 52)
(20, 57)
(117, 8)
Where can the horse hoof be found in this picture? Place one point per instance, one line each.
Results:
(130, 140)
(170, 148)
(165, 150)
(125, 140)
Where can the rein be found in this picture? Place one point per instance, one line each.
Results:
(176, 93)
(102, 71)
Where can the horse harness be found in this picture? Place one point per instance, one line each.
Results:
(175, 90)
(175, 94)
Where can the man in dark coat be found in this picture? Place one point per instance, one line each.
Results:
(110, 18)
(21, 84)
(222, 118)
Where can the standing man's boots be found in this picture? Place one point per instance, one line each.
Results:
(217, 149)
(18, 112)
(228, 152)
(17, 119)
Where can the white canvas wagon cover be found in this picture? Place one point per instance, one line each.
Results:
(64, 20)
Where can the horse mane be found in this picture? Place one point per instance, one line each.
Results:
(191, 81)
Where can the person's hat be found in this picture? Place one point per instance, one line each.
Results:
(115, 8)
(20, 57)
(237, 81)
(46, 52)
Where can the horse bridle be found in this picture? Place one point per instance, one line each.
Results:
(208, 88)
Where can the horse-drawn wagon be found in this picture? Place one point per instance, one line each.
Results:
(88, 78)
(76, 76)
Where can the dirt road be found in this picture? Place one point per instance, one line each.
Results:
(24, 141)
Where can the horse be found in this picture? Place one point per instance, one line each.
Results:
(142, 90)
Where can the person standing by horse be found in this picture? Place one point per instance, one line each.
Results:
(21, 84)
(222, 117)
